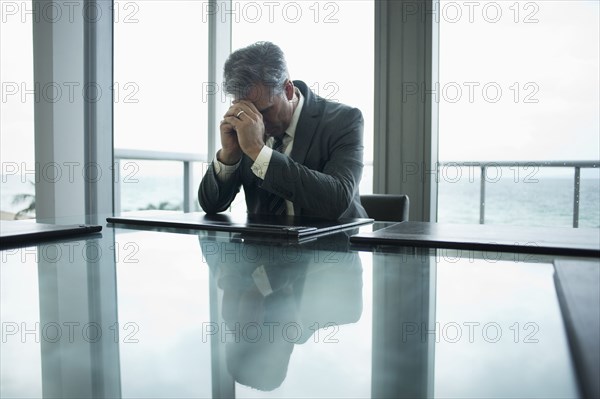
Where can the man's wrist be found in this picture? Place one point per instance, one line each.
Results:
(253, 153)
(228, 158)
(261, 163)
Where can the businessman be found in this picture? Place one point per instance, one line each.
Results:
(293, 152)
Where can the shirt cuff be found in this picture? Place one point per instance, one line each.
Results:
(261, 164)
(224, 172)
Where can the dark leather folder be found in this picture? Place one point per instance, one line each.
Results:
(286, 226)
(487, 237)
(19, 233)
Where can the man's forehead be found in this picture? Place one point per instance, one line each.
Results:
(260, 94)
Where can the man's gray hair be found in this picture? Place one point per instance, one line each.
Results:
(261, 62)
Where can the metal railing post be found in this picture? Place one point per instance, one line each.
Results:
(482, 196)
(188, 183)
(576, 196)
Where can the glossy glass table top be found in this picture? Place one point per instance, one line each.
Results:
(141, 313)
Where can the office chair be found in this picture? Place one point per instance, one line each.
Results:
(386, 207)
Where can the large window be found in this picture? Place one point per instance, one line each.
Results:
(518, 82)
(161, 84)
(16, 110)
(161, 75)
(328, 45)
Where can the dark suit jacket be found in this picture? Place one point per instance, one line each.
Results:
(320, 177)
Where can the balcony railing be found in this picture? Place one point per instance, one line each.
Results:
(484, 165)
(189, 193)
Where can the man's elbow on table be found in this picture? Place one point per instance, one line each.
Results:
(209, 204)
(336, 205)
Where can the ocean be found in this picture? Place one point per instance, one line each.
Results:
(543, 202)
(547, 202)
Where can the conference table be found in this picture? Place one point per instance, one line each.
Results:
(158, 312)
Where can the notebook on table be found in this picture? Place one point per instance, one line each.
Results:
(281, 226)
(15, 233)
(500, 238)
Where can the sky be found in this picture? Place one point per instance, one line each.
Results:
(549, 58)
(544, 51)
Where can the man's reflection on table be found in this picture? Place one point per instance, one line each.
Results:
(275, 296)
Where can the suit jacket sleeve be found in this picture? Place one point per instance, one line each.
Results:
(329, 192)
(216, 196)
